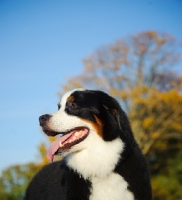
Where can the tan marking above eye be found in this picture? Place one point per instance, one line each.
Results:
(70, 98)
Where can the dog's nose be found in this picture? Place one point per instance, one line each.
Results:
(44, 118)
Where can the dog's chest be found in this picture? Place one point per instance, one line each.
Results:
(113, 187)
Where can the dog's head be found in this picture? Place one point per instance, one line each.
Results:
(91, 123)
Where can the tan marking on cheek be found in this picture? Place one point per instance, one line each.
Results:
(98, 126)
(70, 98)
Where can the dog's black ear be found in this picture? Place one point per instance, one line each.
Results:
(115, 113)
(112, 106)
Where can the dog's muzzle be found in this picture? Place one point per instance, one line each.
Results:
(43, 119)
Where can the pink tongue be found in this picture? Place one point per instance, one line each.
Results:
(56, 145)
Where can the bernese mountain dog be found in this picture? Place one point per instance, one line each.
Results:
(101, 159)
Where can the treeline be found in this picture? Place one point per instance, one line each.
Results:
(140, 71)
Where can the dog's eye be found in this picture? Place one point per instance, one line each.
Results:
(72, 105)
(59, 105)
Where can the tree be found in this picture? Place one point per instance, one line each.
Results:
(15, 179)
(144, 59)
(155, 115)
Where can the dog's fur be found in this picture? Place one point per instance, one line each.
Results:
(103, 163)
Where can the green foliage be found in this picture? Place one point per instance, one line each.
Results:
(167, 183)
(14, 180)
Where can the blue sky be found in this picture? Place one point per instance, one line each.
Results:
(42, 44)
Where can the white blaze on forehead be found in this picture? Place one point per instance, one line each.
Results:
(61, 121)
(66, 95)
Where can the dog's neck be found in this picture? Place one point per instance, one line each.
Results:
(97, 164)
(98, 159)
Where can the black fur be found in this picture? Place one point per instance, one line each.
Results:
(57, 182)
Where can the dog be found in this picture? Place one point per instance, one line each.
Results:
(101, 159)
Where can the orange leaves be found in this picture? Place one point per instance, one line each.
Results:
(151, 34)
(127, 63)
(124, 95)
(43, 152)
(147, 122)
(160, 41)
(88, 68)
(157, 113)
(155, 135)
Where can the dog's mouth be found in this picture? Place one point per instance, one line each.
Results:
(67, 140)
